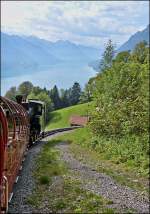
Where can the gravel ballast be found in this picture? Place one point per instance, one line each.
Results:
(25, 185)
(123, 197)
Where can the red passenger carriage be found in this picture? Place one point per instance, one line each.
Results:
(14, 137)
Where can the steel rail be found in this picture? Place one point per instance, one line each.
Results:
(54, 131)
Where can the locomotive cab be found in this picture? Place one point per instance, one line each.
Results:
(36, 112)
(35, 107)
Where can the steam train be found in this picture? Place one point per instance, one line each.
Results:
(21, 124)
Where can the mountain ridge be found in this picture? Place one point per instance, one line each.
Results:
(135, 39)
(30, 54)
(130, 44)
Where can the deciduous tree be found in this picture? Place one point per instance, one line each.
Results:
(11, 93)
(25, 88)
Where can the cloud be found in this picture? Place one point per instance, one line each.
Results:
(87, 22)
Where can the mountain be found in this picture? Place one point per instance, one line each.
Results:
(19, 56)
(135, 39)
(25, 55)
(129, 45)
(65, 50)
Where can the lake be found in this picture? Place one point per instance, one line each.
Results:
(62, 75)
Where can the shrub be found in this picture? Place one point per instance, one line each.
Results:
(44, 179)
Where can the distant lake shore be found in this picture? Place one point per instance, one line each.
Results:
(62, 75)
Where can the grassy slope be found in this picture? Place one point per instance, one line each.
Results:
(81, 137)
(60, 118)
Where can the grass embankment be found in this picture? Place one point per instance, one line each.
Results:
(57, 191)
(123, 159)
(60, 118)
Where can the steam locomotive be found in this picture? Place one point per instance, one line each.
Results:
(21, 123)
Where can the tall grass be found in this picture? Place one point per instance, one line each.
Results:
(131, 151)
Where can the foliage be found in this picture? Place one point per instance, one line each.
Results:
(36, 90)
(72, 96)
(75, 93)
(119, 113)
(11, 93)
(140, 52)
(121, 100)
(60, 98)
(132, 151)
(65, 97)
(119, 121)
(54, 95)
(25, 88)
(107, 56)
(123, 56)
(86, 94)
(44, 179)
(122, 159)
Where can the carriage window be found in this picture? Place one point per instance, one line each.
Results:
(35, 109)
(39, 109)
(9, 118)
(10, 123)
(18, 122)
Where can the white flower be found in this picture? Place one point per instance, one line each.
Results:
(97, 109)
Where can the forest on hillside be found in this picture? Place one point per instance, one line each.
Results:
(53, 98)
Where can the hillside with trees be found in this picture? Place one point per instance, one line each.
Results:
(115, 143)
(54, 98)
(120, 96)
(119, 121)
(116, 140)
(118, 126)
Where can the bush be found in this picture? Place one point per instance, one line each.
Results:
(119, 121)
(44, 179)
(121, 97)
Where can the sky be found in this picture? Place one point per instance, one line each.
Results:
(89, 23)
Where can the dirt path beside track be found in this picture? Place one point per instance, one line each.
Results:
(123, 197)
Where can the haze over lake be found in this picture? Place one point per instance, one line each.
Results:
(63, 77)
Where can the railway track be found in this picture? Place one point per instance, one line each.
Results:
(54, 131)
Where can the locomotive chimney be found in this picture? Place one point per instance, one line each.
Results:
(19, 99)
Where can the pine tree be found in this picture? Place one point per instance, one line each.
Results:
(75, 93)
(86, 94)
(54, 95)
(108, 56)
(64, 98)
